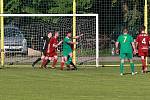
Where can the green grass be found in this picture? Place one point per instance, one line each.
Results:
(25, 83)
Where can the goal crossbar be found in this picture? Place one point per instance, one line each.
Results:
(45, 15)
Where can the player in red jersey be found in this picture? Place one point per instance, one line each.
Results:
(142, 43)
(52, 51)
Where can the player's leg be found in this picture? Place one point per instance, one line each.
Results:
(122, 67)
(54, 61)
(122, 57)
(36, 61)
(62, 63)
(143, 60)
(64, 60)
(130, 57)
(44, 61)
(146, 55)
(70, 62)
(48, 61)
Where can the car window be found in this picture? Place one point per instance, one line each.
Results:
(10, 32)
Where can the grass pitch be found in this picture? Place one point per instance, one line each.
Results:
(105, 83)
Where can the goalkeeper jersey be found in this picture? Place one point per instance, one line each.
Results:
(45, 45)
(125, 41)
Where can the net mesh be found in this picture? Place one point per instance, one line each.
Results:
(113, 16)
(23, 37)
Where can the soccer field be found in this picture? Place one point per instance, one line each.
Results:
(103, 83)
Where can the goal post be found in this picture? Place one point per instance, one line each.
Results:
(2, 33)
(88, 48)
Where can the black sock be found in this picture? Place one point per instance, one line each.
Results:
(36, 61)
(48, 61)
(73, 65)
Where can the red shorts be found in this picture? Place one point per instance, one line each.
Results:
(143, 52)
(52, 54)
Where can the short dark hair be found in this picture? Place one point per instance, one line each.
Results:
(125, 28)
(142, 28)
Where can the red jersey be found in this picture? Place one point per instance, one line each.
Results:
(51, 49)
(143, 41)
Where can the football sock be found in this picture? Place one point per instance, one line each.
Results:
(48, 61)
(143, 64)
(69, 61)
(62, 65)
(36, 61)
(121, 67)
(44, 61)
(54, 63)
(132, 67)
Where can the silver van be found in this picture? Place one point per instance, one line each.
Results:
(14, 41)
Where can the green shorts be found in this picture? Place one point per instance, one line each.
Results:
(66, 53)
(126, 55)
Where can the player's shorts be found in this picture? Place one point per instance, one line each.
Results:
(126, 55)
(143, 52)
(52, 54)
(66, 53)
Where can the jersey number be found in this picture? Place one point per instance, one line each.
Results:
(144, 41)
(125, 38)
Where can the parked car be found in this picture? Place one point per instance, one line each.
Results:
(14, 41)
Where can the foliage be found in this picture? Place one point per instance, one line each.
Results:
(46, 7)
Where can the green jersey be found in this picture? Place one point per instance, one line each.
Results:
(66, 46)
(125, 41)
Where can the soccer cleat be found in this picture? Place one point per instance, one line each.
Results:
(144, 71)
(134, 73)
(68, 67)
(121, 74)
(75, 68)
(53, 67)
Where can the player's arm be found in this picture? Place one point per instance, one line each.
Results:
(60, 43)
(56, 45)
(76, 37)
(136, 42)
(136, 45)
(133, 45)
(72, 43)
(134, 49)
(117, 47)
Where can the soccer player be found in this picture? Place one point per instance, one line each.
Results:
(67, 52)
(51, 51)
(142, 43)
(45, 46)
(126, 44)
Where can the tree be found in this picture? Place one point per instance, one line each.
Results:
(46, 7)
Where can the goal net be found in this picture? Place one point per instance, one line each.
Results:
(23, 36)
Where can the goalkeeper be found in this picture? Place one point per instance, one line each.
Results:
(45, 46)
(67, 52)
(126, 45)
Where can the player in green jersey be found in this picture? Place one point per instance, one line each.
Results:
(67, 51)
(127, 49)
